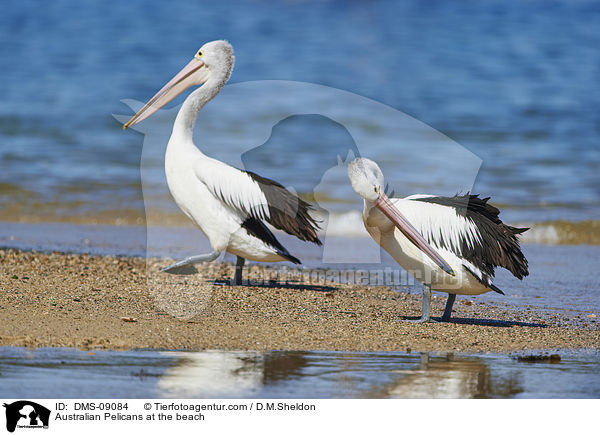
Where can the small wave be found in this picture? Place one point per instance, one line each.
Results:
(558, 232)
(348, 224)
(563, 233)
(338, 224)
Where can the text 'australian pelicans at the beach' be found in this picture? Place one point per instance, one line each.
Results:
(450, 244)
(230, 206)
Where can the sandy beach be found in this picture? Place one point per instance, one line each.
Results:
(105, 302)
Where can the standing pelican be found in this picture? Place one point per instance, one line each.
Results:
(464, 230)
(230, 206)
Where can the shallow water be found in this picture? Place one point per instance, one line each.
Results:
(514, 83)
(68, 373)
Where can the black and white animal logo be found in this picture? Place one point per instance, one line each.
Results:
(26, 414)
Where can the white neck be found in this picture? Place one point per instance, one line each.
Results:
(186, 117)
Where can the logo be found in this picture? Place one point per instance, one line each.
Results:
(26, 414)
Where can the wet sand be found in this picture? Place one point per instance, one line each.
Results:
(105, 302)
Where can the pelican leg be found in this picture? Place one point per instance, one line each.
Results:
(448, 310)
(239, 266)
(185, 266)
(426, 311)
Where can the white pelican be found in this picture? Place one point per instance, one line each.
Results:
(230, 206)
(447, 378)
(469, 240)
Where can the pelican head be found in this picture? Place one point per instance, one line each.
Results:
(214, 61)
(367, 181)
(366, 178)
(218, 58)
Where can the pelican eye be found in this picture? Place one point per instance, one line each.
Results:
(199, 53)
(375, 189)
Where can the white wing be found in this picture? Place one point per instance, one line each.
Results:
(469, 227)
(254, 196)
(441, 226)
(234, 187)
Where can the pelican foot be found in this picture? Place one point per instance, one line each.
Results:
(180, 269)
(185, 266)
(227, 283)
(421, 320)
(425, 313)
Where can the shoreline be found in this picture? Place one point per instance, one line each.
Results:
(107, 302)
(551, 232)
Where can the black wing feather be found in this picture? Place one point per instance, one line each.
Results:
(287, 212)
(500, 246)
(259, 230)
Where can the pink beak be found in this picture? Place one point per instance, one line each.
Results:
(183, 80)
(385, 205)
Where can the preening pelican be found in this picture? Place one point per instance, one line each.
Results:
(230, 206)
(462, 237)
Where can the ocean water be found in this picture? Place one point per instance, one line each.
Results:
(68, 373)
(508, 91)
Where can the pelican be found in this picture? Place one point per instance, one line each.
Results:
(449, 244)
(230, 206)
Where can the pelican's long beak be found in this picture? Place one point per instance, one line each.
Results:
(185, 78)
(385, 205)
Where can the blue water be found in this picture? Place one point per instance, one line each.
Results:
(514, 83)
(67, 373)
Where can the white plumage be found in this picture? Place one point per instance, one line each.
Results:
(236, 188)
(230, 206)
(219, 199)
(435, 223)
(449, 244)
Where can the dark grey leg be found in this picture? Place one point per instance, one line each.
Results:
(448, 310)
(239, 266)
(184, 266)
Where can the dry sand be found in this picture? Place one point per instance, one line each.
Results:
(93, 302)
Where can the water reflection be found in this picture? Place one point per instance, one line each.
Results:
(68, 373)
(212, 374)
(452, 378)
